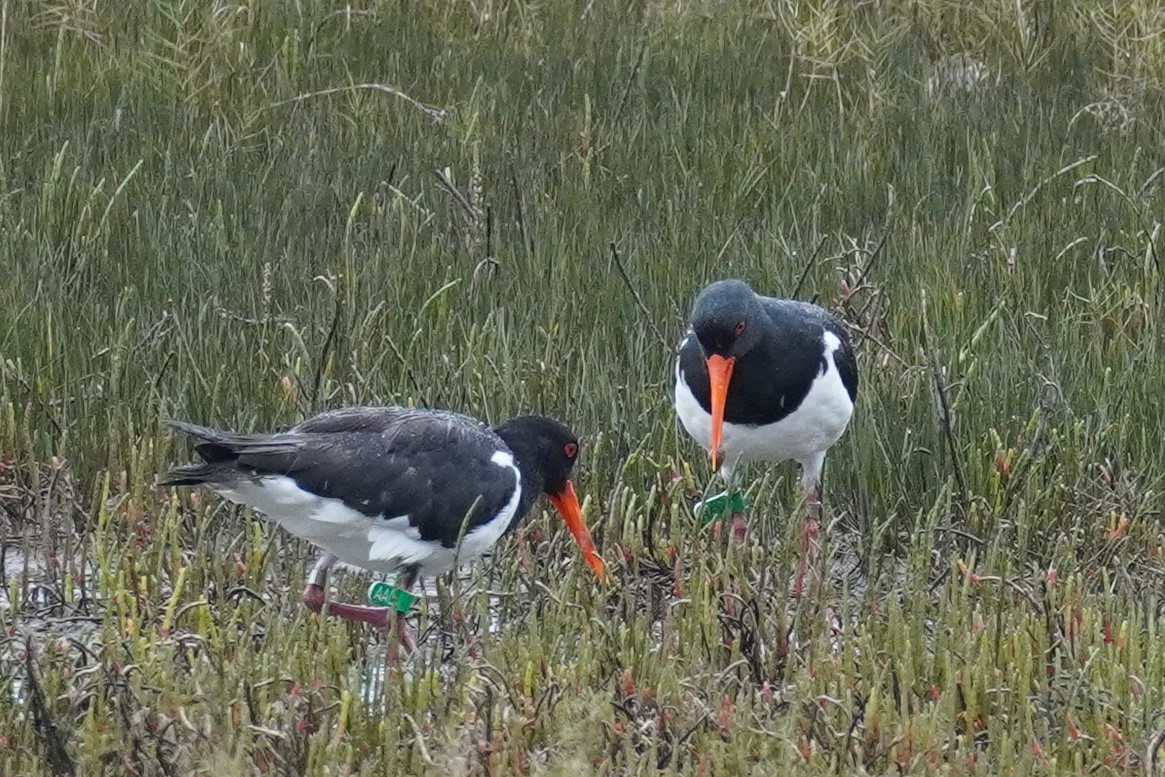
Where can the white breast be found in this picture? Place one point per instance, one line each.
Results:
(804, 435)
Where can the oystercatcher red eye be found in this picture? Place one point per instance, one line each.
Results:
(570, 449)
(740, 329)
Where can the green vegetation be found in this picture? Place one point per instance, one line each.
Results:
(243, 213)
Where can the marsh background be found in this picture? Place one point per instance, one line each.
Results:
(243, 213)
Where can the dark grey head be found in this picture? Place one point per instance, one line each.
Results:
(728, 318)
(546, 450)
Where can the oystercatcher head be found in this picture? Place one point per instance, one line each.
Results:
(760, 378)
(728, 322)
(392, 489)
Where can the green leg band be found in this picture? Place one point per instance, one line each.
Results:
(716, 507)
(386, 595)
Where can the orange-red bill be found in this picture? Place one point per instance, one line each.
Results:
(719, 373)
(566, 503)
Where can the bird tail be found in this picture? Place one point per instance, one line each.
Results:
(195, 475)
(218, 457)
(220, 453)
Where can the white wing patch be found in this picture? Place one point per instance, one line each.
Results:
(486, 536)
(401, 524)
(394, 540)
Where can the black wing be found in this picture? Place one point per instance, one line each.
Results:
(795, 314)
(434, 467)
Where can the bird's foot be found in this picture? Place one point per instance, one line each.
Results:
(316, 601)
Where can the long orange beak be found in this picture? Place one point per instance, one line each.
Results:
(566, 503)
(719, 373)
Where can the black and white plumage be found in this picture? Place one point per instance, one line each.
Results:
(764, 379)
(393, 489)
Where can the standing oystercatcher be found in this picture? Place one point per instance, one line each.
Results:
(760, 378)
(391, 489)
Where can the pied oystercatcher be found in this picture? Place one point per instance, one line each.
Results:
(392, 489)
(766, 379)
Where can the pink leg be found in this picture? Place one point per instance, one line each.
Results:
(809, 533)
(739, 518)
(739, 528)
(402, 639)
(313, 597)
(523, 554)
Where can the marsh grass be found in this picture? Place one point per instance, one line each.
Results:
(241, 214)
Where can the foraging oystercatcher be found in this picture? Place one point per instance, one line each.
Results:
(766, 379)
(392, 489)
